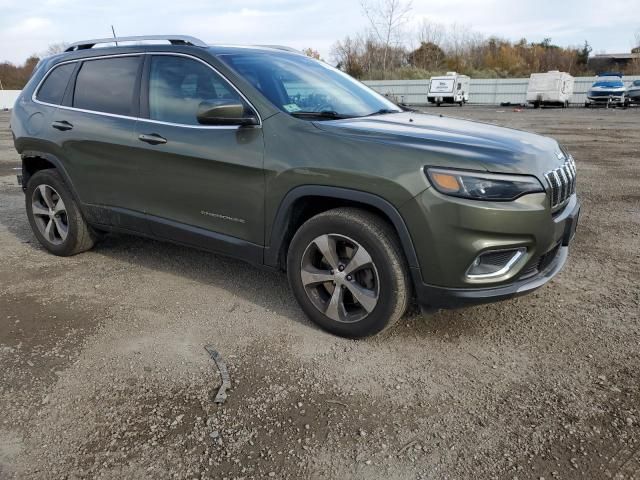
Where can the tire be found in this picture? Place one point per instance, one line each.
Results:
(45, 191)
(351, 237)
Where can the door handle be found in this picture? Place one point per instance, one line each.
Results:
(152, 138)
(62, 125)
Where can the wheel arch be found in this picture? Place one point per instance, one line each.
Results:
(34, 161)
(305, 201)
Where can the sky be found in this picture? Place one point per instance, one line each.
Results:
(29, 26)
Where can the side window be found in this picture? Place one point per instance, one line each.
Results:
(459, 86)
(178, 85)
(107, 85)
(52, 90)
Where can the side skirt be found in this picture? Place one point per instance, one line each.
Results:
(141, 224)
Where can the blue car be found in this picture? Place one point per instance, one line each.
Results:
(607, 90)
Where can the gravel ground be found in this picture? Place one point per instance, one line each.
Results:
(103, 372)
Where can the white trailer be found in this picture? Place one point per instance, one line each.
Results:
(551, 88)
(450, 88)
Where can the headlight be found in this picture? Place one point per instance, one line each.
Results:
(482, 186)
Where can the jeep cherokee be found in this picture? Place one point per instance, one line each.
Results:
(264, 154)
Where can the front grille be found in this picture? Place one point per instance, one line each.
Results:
(596, 93)
(562, 181)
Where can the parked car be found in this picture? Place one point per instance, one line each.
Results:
(633, 92)
(272, 157)
(450, 88)
(553, 88)
(607, 90)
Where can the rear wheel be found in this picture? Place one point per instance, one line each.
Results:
(348, 273)
(54, 215)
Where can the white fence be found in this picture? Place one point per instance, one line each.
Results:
(481, 91)
(8, 98)
(487, 91)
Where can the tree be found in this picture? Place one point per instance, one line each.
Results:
(310, 52)
(583, 54)
(428, 56)
(347, 54)
(386, 19)
(14, 77)
(56, 48)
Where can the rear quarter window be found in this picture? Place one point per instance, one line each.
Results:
(107, 85)
(54, 85)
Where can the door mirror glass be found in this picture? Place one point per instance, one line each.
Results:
(224, 112)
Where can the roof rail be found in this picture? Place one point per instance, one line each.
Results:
(172, 39)
(280, 47)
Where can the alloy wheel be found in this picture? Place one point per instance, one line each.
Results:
(50, 214)
(340, 278)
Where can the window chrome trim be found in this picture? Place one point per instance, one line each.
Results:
(41, 83)
(149, 120)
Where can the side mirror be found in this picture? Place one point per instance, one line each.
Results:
(224, 112)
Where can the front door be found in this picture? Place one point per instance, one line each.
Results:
(198, 179)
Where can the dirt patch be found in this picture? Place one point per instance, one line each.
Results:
(108, 377)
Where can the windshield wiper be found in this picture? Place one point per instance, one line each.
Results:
(383, 111)
(322, 114)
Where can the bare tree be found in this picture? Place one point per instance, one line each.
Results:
(635, 62)
(386, 19)
(348, 56)
(430, 32)
(55, 48)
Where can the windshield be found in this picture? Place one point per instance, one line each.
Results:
(636, 83)
(298, 85)
(610, 82)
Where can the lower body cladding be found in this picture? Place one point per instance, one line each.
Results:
(451, 99)
(471, 252)
(547, 100)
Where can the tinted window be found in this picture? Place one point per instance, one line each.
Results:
(178, 85)
(52, 90)
(107, 85)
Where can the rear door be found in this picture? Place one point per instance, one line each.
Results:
(95, 129)
(197, 178)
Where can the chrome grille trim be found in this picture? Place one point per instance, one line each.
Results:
(562, 182)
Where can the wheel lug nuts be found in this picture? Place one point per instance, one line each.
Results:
(349, 277)
(341, 267)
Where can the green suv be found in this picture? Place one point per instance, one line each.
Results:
(263, 154)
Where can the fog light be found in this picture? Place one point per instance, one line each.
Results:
(494, 263)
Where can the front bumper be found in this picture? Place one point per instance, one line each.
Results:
(547, 241)
(606, 99)
(433, 297)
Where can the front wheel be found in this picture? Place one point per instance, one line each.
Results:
(348, 272)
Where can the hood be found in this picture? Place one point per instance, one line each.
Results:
(445, 140)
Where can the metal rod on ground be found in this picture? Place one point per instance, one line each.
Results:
(221, 396)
